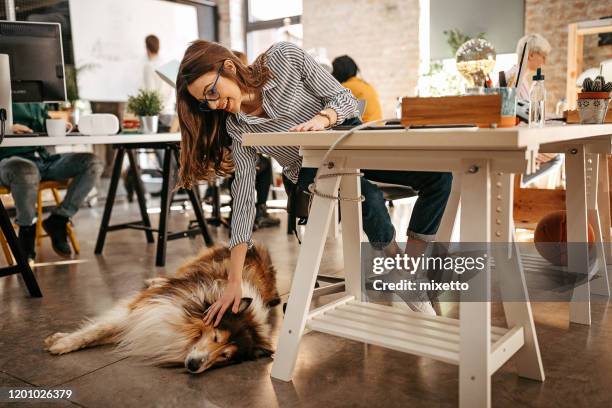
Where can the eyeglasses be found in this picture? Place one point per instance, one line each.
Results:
(211, 95)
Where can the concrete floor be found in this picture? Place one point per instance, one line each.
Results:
(330, 372)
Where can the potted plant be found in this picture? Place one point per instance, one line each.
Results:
(594, 99)
(146, 105)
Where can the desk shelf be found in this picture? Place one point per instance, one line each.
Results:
(434, 337)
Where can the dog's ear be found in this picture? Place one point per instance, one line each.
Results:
(262, 352)
(245, 302)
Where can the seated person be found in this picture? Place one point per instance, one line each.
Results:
(345, 71)
(21, 170)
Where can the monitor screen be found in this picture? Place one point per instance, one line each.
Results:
(36, 60)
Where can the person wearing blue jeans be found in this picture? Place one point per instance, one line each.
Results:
(433, 191)
(22, 169)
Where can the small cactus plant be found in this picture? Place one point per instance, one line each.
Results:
(598, 84)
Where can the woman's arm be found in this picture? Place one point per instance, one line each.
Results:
(233, 290)
(321, 83)
(243, 218)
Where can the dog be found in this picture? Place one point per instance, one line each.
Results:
(163, 323)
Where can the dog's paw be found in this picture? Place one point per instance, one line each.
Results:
(49, 341)
(62, 345)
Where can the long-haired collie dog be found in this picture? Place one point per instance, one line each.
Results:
(163, 323)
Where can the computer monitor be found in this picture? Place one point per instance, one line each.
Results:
(36, 63)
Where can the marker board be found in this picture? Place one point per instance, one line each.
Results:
(108, 36)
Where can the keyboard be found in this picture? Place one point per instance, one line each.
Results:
(39, 134)
(34, 134)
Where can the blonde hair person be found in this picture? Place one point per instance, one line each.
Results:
(536, 53)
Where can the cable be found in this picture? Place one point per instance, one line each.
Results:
(312, 187)
(2, 124)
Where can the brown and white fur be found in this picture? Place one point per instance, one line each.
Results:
(163, 323)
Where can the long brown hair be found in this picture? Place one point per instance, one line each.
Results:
(204, 138)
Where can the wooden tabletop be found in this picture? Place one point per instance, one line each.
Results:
(516, 138)
(79, 140)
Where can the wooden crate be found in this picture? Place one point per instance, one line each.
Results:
(479, 110)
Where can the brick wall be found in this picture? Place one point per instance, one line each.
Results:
(380, 35)
(550, 18)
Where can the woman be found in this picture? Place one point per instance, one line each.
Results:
(345, 71)
(536, 53)
(219, 99)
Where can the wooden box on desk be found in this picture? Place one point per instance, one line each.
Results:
(480, 110)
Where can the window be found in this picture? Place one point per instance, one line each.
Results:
(270, 21)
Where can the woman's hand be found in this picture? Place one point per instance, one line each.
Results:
(317, 123)
(231, 298)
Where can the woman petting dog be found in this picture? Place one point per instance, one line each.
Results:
(219, 99)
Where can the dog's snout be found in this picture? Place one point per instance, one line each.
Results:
(193, 365)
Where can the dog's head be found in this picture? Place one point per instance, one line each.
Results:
(237, 338)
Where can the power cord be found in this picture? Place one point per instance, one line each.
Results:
(312, 187)
(2, 124)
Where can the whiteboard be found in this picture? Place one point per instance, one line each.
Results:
(110, 34)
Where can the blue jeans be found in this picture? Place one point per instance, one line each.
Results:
(22, 176)
(433, 188)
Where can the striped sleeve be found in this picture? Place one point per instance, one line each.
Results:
(321, 83)
(243, 194)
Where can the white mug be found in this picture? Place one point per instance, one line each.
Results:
(58, 127)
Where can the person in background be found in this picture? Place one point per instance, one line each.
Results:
(537, 51)
(345, 71)
(153, 82)
(21, 170)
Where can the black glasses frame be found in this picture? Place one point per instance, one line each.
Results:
(203, 105)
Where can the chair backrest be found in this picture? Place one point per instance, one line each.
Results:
(361, 105)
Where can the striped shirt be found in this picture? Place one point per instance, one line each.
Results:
(298, 90)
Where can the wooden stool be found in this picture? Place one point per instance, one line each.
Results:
(54, 186)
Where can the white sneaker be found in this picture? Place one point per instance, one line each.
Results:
(422, 307)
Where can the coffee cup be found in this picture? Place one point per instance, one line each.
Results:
(58, 127)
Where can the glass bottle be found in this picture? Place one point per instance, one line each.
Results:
(537, 101)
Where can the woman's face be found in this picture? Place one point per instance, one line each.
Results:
(229, 94)
(536, 60)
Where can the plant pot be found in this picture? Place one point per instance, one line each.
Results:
(593, 106)
(148, 124)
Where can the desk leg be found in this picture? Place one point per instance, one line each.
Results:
(166, 199)
(110, 199)
(304, 278)
(603, 206)
(22, 263)
(196, 203)
(509, 270)
(475, 314)
(351, 234)
(576, 205)
(140, 195)
(448, 223)
(599, 285)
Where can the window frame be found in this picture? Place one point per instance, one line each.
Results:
(264, 24)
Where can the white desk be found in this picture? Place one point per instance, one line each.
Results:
(79, 140)
(125, 143)
(483, 163)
